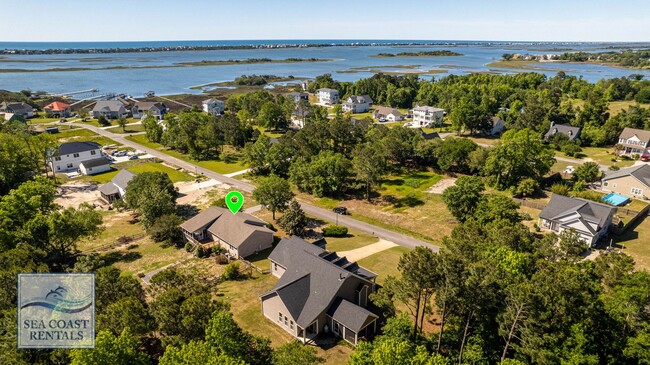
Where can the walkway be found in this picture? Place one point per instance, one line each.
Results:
(365, 251)
(325, 214)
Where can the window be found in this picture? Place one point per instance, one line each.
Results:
(58, 167)
(93, 152)
(291, 324)
(605, 183)
(70, 165)
(279, 317)
(285, 320)
(57, 158)
(75, 155)
(636, 191)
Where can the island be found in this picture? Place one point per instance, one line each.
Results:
(442, 53)
(631, 59)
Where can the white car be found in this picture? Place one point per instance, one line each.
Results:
(569, 170)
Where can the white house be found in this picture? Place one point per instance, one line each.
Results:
(68, 156)
(590, 219)
(327, 96)
(110, 109)
(384, 113)
(95, 166)
(357, 104)
(144, 108)
(497, 126)
(213, 106)
(426, 116)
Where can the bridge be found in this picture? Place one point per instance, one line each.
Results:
(79, 94)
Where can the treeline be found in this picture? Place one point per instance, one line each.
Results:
(497, 294)
(420, 54)
(256, 80)
(627, 58)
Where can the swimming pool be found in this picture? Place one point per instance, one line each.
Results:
(615, 199)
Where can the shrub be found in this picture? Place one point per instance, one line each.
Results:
(526, 187)
(335, 231)
(189, 247)
(166, 229)
(231, 272)
(202, 252)
(571, 149)
(614, 159)
(579, 186)
(414, 183)
(614, 168)
(537, 229)
(221, 203)
(560, 189)
(588, 194)
(636, 156)
(221, 259)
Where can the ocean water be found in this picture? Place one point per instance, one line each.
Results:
(175, 80)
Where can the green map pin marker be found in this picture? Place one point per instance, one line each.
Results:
(234, 201)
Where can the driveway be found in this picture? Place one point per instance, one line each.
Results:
(312, 210)
(365, 251)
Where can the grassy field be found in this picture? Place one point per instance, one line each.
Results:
(384, 263)
(81, 134)
(137, 167)
(601, 155)
(42, 120)
(131, 128)
(144, 256)
(116, 224)
(615, 107)
(636, 243)
(233, 163)
(354, 240)
(268, 132)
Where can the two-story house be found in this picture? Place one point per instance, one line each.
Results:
(214, 107)
(633, 181)
(426, 116)
(57, 109)
(318, 291)
(143, 108)
(68, 156)
(110, 109)
(634, 141)
(327, 96)
(357, 104)
(297, 97)
(568, 130)
(17, 108)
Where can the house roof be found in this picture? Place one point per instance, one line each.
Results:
(327, 90)
(428, 136)
(496, 120)
(312, 279)
(209, 101)
(350, 315)
(148, 105)
(354, 99)
(122, 178)
(641, 134)
(237, 228)
(108, 189)
(428, 109)
(588, 210)
(568, 130)
(77, 147)
(384, 110)
(57, 106)
(108, 105)
(16, 107)
(641, 173)
(206, 217)
(95, 162)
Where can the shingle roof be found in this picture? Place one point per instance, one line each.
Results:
(428, 109)
(109, 188)
(353, 99)
(237, 228)
(77, 147)
(283, 252)
(16, 107)
(203, 219)
(384, 110)
(148, 105)
(208, 101)
(101, 161)
(122, 178)
(568, 130)
(110, 105)
(350, 315)
(642, 134)
(327, 90)
(587, 209)
(641, 172)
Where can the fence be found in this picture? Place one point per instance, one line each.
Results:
(249, 265)
(124, 240)
(529, 204)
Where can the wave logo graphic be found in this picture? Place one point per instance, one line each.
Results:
(56, 300)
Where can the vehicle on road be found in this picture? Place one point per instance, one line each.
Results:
(341, 210)
(134, 157)
(645, 158)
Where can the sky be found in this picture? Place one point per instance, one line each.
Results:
(148, 20)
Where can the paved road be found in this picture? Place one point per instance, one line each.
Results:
(400, 239)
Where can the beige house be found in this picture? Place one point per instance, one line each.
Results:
(634, 141)
(633, 181)
(319, 291)
(384, 113)
(240, 234)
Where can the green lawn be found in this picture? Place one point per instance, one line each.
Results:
(144, 256)
(615, 107)
(232, 164)
(42, 120)
(601, 155)
(268, 132)
(385, 262)
(82, 134)
(116, 224)
(636, 241)
(355, 240)
(132, 128)
(137, 167)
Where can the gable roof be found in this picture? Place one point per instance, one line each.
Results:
(426, 108)
(235, 229)
(568, 130)
(350, 315)
(77, 147)
(16, 107)
(57, 106)
(327, 90)
(95, 162)
(210, 101)
(496, 120)
(384, 110)
(206, 217)
(588, 210)
(641, 173)
(148, 105)
(312, 279)
(122, 178)
(641, 134)
(109, 188)
(108, 105)
(354, 99)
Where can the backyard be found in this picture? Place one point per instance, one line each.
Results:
(635, 243)
(82, 134)
(138, 167)
(601, 155)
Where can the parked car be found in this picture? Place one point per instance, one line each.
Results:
(645, 158)
(119, 153)
(134, 157)
(341, 210)
(569, 170)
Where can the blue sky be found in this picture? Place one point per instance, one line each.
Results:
(122, 20)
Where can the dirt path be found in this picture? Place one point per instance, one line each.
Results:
(441, 186)
(74, 193)
(365, 251)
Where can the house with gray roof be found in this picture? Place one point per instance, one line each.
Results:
(319, 291)
(357, 104)
(426, 117)
(95, 166)
(298, 97)
(634, 141)
(633, 181)
(116, 188)
(17, 108)
(240, 234)
(143, 108)
(68, 156)
(384, 113)
(590, 219)
(568, 130)
(110, 109)
(213, 107)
